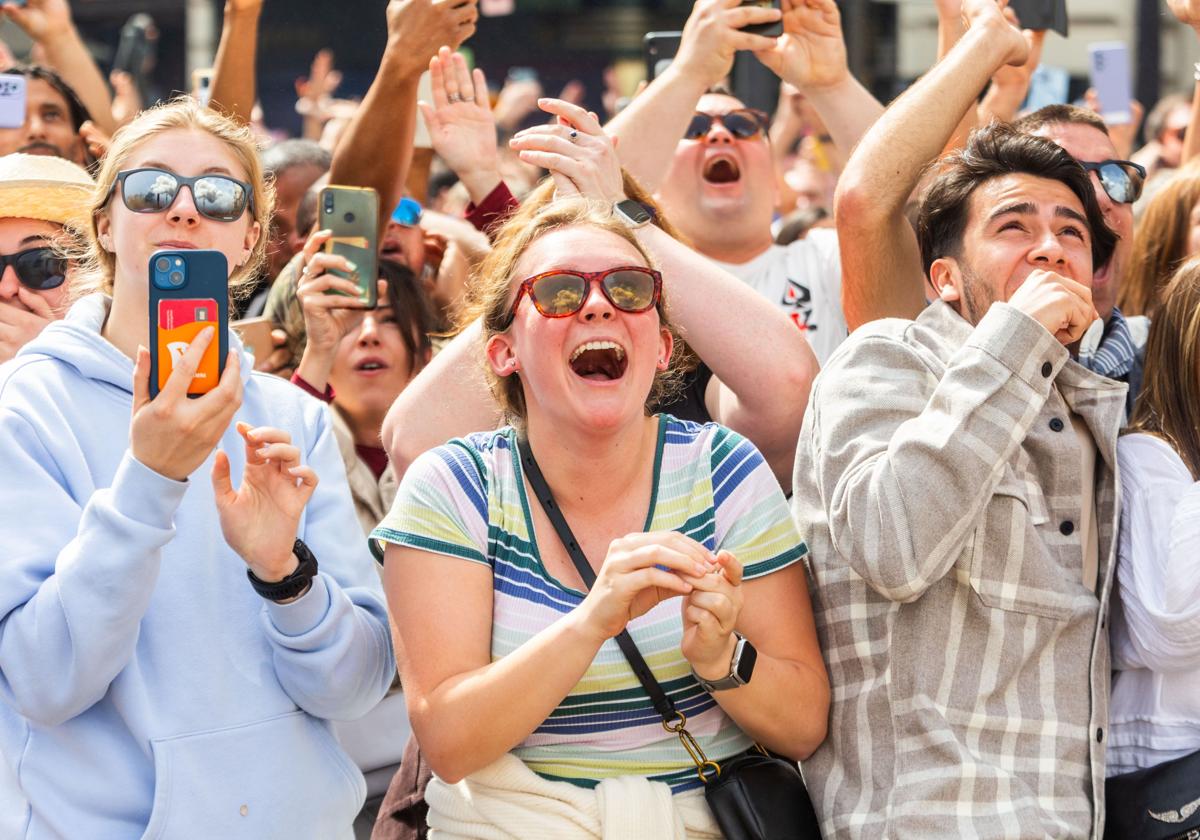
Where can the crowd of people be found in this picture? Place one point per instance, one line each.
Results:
(861, 439)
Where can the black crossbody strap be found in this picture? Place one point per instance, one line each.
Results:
(662, 703)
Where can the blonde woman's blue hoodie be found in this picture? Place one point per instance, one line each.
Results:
(145, 688)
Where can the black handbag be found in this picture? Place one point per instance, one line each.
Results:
(755, 795)
(1157, 803)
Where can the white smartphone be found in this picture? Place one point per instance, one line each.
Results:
(12, 100)
(1110, 78)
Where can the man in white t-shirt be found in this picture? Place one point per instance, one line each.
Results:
(717, 184)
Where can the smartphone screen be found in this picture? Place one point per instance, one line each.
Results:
(12, 100)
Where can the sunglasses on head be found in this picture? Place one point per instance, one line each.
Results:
(1121, 179)
(743, 123)
(217, 197)
(407, 213)
(560, 293)
(38, 269)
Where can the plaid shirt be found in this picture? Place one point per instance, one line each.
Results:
(938, 485)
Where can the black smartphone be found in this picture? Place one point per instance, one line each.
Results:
(352, 213)
(769, 30)
(660, 49)
(1041, 14)
(134, 46)
(189, 290)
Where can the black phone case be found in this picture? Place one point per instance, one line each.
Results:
(207, 277)
(364, 203)
(659, 46)
(769, 30)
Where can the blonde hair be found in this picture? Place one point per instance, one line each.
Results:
(96, 265)
(489, 295)
(1159, 243)
(1169, 405)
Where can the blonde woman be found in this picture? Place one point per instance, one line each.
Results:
(173, 644)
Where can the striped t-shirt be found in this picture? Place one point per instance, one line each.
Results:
(467, 500)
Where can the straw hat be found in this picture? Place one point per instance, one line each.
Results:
(48, 188)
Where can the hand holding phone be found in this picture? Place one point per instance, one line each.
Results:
(176, 434)
(351, 214)
(1111, 81)
(189, 292)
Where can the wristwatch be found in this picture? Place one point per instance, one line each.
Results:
(293, 584)
(741, 667)
(632, 213)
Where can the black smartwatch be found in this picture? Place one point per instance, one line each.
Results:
(741, 667)
(293, 584)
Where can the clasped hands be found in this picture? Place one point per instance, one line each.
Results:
(643, 569)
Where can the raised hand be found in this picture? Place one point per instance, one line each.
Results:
(127, 101)
(173, 434)
(461, 124)
(260, 518)
(581, 158)
(1186, 11)
(322, 80)
(41, 19)
(710, 613)
(811, 53)
(416, 27)
(712, 36)
(632, 581)
(989, 15)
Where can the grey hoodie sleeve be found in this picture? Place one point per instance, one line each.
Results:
(332, 647)
(70, 616)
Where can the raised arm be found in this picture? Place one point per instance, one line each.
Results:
(376, 148)
(762, 396)
(234, 73)
(881, 266)
(654, 122)
(49, 24)
(1188, 13)
(811, 56)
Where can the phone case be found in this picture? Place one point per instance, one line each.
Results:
(1110, 78)
(769, 30)
(354, 220)
(177, 315)
(660, 50)
(12, 100)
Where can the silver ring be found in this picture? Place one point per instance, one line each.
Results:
(454, 97)
(573, 135)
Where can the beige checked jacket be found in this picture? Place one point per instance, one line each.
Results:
(938, 487)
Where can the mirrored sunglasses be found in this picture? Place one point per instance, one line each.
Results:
(1122, 179)
(217, 197)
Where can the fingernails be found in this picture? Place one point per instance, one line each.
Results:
(353, 265)
(262, 453)
(699, 570)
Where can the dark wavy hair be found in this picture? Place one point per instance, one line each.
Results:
(993, 152)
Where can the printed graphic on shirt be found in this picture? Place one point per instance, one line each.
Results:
(797, 300)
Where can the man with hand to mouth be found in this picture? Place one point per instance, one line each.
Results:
(38, 197)
(955, 477)
(706, 156)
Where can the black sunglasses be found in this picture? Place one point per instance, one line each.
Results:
(39, 269)
(743, 123)
(1122, 179)
(216, 197)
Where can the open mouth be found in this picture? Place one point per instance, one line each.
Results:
(599, 361)
(721, 170)
(370, 365)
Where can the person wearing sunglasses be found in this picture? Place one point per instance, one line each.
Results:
(683, 523)
(39, 197)
(184, 599)
(1115, 345)
(706, 156)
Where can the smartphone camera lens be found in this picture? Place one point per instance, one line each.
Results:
(328, 203)
(349, 217)
(176, 278)
(162, 264)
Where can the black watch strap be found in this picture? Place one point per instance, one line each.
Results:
(293, 584)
